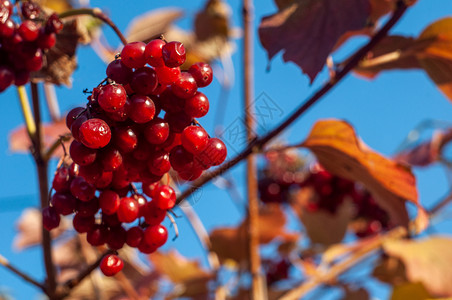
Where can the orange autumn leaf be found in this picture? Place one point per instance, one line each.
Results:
(341, 152)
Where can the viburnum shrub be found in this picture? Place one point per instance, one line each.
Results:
(138, 125)
(26, 32)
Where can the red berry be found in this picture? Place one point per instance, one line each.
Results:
(167, 75)
(110, 158)
(45, 40)
(134, 236)
(214, 154)
(180, 158)
(81, 189)
(144, 81)
(81, 154)
(6, 77)
(156, 235)
(97, 236)
(185, 86)
(72, 115)
(109, 202)
(64, 203)
(202, 73)
(153, 214)
(142, 109)
(116, 237)
(112, 97)
(125, 139)
(150, 188)
(95, 133)
(173, 54)
(159, 163)
(83, 224)
(61, 179)
(132, 55)
(50, 218)
(153, 53)
(28, 30)
(87, 208)
(118, 72)
(111, 264)
(194, 139)
(197, 106)
(128, 210)
(165, 197)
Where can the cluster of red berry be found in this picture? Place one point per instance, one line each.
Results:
(331, 192)
(283, 171)
(119, 140)
(22, 45)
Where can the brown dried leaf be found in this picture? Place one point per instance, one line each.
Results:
(190, 279)
(432, 51)
(341, 152)
(20, 142)
(152, 24)
(29, 229)
(60, 61)
(213, 21)
(271, 226)
(322, 227)
(308, 30)
(427, 261)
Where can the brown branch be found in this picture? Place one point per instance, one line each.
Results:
(96, 13)
(251, 167)
(42, 166)
(4, 262)
(258, 143)
(127, 286)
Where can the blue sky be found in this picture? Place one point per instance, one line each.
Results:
(383, 111)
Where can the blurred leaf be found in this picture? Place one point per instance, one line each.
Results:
(307, 30)
(412, 291)
(29, 229)
(20, 142)
(341, 152)
(428, 152)
(152, 24)
(427, 261)
(60, 61)
(356, 294)
(271, 226)
(322, 227)
(57, 6)
(191, 280)
(212, 33)
(390, 270)
(431, 51)
(338, 251)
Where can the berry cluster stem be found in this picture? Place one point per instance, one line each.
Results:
(42, 170)
(259, 143)
(96, 13)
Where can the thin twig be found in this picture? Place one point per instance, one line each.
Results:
(4, 262)
(174, 224)
(260, 142)
(96, 13)
(42, 166)
(57, 143)
(26, 111)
